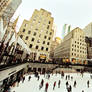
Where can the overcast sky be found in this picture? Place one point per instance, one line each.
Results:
(77, 13)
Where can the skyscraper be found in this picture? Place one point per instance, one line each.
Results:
(66, 30)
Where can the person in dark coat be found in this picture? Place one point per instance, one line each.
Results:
(29, 78)
(74, 83)
(59, 84)
(23, 79)
(88, 83)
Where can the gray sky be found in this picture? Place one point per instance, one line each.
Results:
(77, 13)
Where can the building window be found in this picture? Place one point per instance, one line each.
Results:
(21, 36)
(48, 43)
(32, 39)
(46, 49)
(30, 46)
(23, 30)
(49, 22)
(48, 27)
(49, 38)
(26, 38)
(36, 47)
(39, 35)
(46, 32)
(77, 46)
(42, 48)
(43, 42)
(50, 33)
(45, 37)
(34, 33)
(29, 32)
(36, 29)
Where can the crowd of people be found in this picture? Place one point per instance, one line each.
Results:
(56, 83)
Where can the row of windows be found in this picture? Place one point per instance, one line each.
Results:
(21, 36)
(78, 43)
(38, 41)
(78, 51)
(74, 54)
(35, 32)
(78, 46)
(36, 47)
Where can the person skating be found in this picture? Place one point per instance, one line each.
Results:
(88, 83)
(74, 83)
(70, 88)
(41, 84)
(62, 74)
(66, 77)
(23, 79)
(82, 90)
(67, 84)
(71, 77)
(59, 83)
(54, 85)
(38, 77)
(46, 87)
(29, 78)
(48, 76)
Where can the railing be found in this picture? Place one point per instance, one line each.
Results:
(4, 67)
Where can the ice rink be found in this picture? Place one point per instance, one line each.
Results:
(33, 84)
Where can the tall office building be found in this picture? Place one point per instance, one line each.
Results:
(8, 8)
(73, 47)
(37, 33)
(88, 30)
(66, 30)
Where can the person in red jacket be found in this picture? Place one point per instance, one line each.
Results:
(54, 85)
(46, 87)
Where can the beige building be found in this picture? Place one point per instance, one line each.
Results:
(88, 30)
(8, 8)
(73, 47)
(54, 44)
(37, 33)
